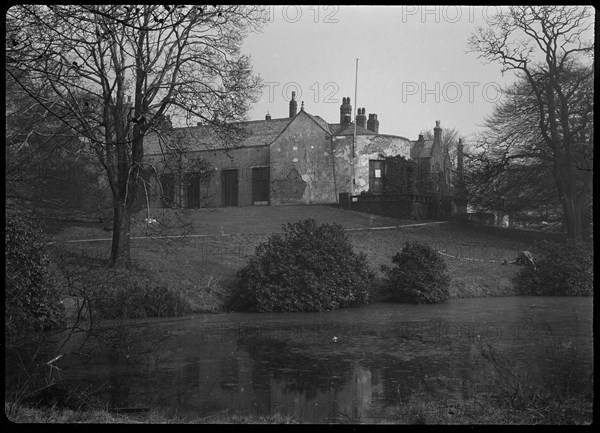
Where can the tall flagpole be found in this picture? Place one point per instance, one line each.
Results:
(354, 139)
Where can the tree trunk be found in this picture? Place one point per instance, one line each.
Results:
(120, 251)
(572, 218)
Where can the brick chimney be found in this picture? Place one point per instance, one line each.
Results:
(437, 132)
(293, 105)
(345, 111)
(460, 161)
(361, 118)
(373, 123)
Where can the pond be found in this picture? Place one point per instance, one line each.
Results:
(345, 365)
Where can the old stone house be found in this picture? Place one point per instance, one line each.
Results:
(300, 159)
(433, 161)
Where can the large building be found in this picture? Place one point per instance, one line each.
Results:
(300, 159)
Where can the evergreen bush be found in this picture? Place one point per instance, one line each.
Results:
(564, 270)
(419, 275)
(32, 299)
(310, 267)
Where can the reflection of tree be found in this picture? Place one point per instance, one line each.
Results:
(300, 372)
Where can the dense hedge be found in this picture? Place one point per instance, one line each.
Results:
(32, 300)
(310, 267)
(400, 175)
(564, 270)
(419, 275)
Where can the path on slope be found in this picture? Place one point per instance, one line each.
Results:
(238, 221)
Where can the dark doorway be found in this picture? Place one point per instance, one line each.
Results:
(194, 190)
(229, 187)
(260, 185)
(376, 173)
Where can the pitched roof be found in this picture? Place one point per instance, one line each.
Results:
(252, 133)
(319, 121)
(421, 149)
(244, 134)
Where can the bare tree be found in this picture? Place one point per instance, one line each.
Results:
(116, 71)
(48, 170)
(546, 46)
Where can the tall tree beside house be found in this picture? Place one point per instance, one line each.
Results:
(546, 46)
(509, 170)
(116, 71)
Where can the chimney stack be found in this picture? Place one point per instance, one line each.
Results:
(460, 161)
(437, 133)
(345, 111)
(361, 118)
(373, 123)
(293, 105)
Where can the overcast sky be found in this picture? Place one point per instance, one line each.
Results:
(413, 66)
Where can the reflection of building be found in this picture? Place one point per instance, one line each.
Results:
(351, 402)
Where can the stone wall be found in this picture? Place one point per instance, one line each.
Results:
(418, 207)
(240, 158)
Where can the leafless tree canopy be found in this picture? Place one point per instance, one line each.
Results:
(113, 73)
(549, 116)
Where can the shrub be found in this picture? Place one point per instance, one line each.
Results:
(139, 300)
(419, 275)
(310, 267)
(32, 299)
(564, 270)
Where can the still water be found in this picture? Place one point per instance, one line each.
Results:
(345, 365)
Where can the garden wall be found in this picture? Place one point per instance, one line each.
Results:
(394, 206)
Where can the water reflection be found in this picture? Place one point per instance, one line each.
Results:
(383, 357)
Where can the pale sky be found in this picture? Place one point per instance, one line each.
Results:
(413, 66)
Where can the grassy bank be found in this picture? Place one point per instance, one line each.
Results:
(419, 410)
(201, 266)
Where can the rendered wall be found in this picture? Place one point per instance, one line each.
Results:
(367, 147)
(301, 165)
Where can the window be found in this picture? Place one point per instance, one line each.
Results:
(376, 174)
(260, 185)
